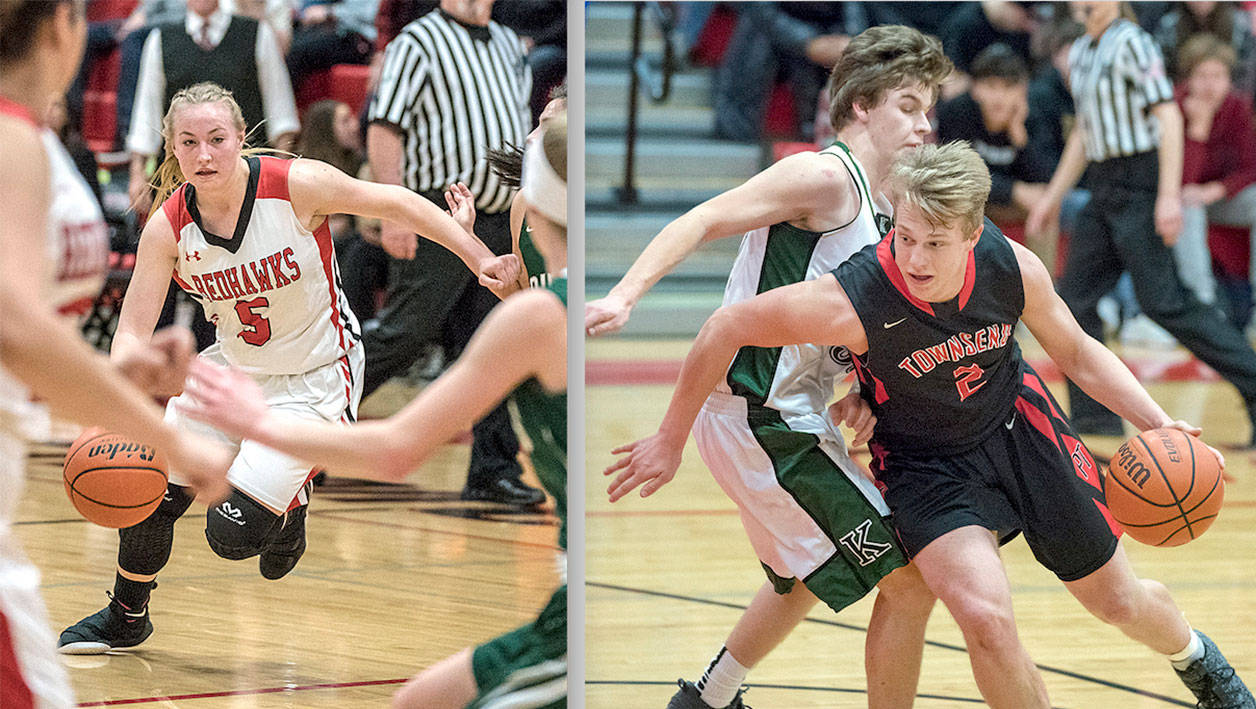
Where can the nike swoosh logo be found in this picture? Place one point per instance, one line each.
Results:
(1011, 421)
(889, 325)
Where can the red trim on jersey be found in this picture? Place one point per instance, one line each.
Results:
(327, 254)
(176, 211)
(346, 372)
(14, 692)
(296, 499)
(1115, 526)
(182, 283)
(1038, 419)
(9, 107)
(886, 257)
(78, 307)
(272, 183)
(1035, 383)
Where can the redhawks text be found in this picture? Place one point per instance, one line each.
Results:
(250, 278)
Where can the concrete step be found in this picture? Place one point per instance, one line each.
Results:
(605, 89)
(669, 314)
(698, 159)
(654, 122)
(672, 200)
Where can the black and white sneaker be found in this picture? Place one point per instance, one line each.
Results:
(283, 553)
(688, 697)
(112, 628)
(1213, 682)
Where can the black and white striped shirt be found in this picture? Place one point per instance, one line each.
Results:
(1115, 80)
(455, 92)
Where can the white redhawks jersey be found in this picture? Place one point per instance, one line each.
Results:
(273, 288)
(797, 379)
(77, 248)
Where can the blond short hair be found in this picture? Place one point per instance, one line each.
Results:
(948, 183)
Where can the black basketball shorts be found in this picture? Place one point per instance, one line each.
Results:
(1032, 475)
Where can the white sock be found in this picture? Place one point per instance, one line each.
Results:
(722, 679)
(1193, 651)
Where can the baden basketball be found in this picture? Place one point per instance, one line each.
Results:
(1164, 487)
(112, 481)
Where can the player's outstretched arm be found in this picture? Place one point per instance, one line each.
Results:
(811, 311)
(1080, 357)
(490, 368)
(319, 189)
(47, 355)
(791, 190)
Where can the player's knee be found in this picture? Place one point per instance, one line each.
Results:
(239, 527)
(986, 624)
(905, 588)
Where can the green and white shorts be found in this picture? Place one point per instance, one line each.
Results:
(525, 668)
(810, 513)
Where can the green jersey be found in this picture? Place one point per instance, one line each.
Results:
(544, 417)
(533, 263)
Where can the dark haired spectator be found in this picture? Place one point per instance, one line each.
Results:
(330, 32)
(1224, 20)
(976, 26)
(799, 40)
(1218, 170)
(991, 117)
(209, 44)
(330, 133)
(928, 17)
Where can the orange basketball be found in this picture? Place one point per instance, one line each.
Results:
(112, 481)
(1164, 487)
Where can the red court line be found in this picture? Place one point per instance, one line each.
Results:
(622, 372)
(241, 692)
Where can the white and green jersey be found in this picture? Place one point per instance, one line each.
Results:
(797, 379)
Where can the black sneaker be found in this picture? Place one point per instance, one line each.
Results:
(282, 554)
(505, 491)
(688, 697)
(112, 628)
(1213, 682)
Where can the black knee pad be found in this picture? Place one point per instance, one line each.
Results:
(240, 527)
(145, 548)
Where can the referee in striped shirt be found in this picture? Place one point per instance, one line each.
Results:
(454, 85)
(1130, 130)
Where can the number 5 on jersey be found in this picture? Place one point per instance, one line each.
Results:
(256, 330)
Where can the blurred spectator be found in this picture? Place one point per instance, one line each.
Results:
(331, 32)
(991, 116)
(57, 119)
(209, 44)
(801, 40)
(542, 25)
(1226, 22)
(1051, 113)
(1219, 169)
(976, 26)
(928, 17)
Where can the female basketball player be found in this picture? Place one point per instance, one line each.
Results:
(53, 255)
(247, 237)
(530, 661)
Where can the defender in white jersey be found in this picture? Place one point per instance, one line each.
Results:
(247, 236)
(53, 256)
(764, 433)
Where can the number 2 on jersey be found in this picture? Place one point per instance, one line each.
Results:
(256, 330)
(965, 379)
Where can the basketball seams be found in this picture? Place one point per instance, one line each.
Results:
(1168, 485)
(108, 496)
(70, 456)
(1189, 500)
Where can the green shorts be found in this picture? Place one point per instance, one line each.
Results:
(526, 668)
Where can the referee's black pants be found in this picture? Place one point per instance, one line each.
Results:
(435, 298)
(1116, 232)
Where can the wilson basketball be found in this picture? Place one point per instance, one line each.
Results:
(112, 481)
(1164, 487)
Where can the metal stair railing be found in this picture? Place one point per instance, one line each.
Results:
(654, 74)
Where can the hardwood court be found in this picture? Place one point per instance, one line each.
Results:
(394, 578)
(668, 576)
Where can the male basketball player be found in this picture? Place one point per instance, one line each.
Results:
(968, 441)
(764, 434)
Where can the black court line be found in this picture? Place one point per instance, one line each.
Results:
(930, 643)
(800, 687)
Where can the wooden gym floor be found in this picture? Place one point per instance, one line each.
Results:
(668, 576)
(394, 578)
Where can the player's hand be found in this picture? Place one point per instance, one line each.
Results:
(161, 367)
(650, 462)
(1169, 219)
(203, 463)
(500, 274)
(225, 398)
(853, 411)
(606, 315)
(398, 241)
(461, 206)
(1193, 430)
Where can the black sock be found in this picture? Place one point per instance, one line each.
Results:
(133, 595)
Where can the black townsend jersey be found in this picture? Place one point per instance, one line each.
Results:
(938, 376)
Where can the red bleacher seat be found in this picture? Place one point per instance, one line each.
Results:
(105, 10)
(349, 84)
